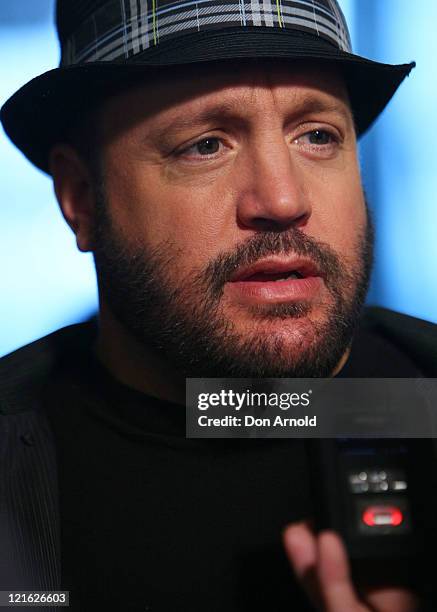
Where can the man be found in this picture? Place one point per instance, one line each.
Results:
(220, 194)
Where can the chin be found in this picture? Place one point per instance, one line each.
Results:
(290, 322)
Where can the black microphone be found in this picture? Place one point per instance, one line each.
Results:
(380, 496)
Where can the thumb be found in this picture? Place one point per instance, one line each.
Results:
(335, 583)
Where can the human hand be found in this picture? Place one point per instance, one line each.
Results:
(321, 565)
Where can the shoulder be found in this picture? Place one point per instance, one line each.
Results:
(416, 337)
(25, 372)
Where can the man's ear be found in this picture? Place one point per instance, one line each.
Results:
(74, 189)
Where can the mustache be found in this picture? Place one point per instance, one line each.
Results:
(290, 242)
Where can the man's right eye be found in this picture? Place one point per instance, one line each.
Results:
(203, 148)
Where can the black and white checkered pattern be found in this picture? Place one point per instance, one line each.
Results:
(120, 29)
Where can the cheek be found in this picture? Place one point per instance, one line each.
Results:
(195, 222)
(339, 211)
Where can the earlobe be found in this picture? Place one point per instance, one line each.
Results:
(74, 191)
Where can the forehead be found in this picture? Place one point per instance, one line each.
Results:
(236, 86)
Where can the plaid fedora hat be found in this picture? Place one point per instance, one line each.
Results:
(105, 42)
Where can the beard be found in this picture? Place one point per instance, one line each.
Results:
(184, 322)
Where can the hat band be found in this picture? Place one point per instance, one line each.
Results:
(123, 28)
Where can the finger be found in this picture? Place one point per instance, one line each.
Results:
(337, 591)
(301, 549)
(388, 599)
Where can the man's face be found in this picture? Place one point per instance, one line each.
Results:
(232, 235)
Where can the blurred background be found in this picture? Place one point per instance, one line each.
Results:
(45, 283)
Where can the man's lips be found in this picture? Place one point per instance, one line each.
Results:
(269, 281)
(272, 269)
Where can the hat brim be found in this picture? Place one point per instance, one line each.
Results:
(39, 114)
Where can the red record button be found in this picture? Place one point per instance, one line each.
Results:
(382, 516)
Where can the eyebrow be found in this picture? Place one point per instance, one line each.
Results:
(232, 112)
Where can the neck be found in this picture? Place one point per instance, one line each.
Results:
(140, 368)
(342, 361)
(134, 365)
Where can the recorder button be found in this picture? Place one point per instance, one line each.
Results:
(382, 516)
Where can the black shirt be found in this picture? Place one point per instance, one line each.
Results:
(153, 521)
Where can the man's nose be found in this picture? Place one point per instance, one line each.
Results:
(272, 194)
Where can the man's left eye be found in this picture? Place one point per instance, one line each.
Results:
(318, 138)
